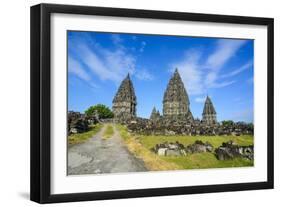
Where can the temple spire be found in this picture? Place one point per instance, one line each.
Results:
(155, 115)
(176, 101)
(125, 101)
(209, 113)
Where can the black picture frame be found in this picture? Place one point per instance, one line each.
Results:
(41, 97)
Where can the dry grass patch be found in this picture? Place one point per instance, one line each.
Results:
(82, 137)
(140, 146)
(108, 132)
(152, 161)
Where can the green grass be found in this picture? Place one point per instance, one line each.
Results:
(192, 161)
(152, 161)
(206, 160)
(82, 137)
(216, 141)
(108, 132)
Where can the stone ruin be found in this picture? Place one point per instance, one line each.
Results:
(177, 117)
(76, 122)
(227, 151)
(124, 102)
(176, 102)
(209, 113)
(155, 115)
(230, 150)
(178, 149)
(197, 128)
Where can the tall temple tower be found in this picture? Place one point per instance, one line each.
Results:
(176, 101)
(209, 115)
(125, 101)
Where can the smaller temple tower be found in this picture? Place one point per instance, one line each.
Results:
(155, 115)
(125, 101)
(209, 115)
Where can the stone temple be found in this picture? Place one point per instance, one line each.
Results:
(176, 105)
(209, 115)
(155, 115)
(176, 101)
(125, 101)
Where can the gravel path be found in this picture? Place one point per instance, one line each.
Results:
(99, 155)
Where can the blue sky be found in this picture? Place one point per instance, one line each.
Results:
(221, 68)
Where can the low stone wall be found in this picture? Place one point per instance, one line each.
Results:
(173, 127)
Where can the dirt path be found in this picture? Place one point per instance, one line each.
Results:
(99, 155)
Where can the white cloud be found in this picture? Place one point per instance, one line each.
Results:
(238, 70)
(222, 84)
(143, 44)
(75, 68)
(189, 68)
(200, 99)
(108, 64)
(144, 75)
(244, 115)
(225, 49)
(250, 80)
(116, 39)
(200, 74)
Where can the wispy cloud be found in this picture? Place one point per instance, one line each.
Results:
(189, 68)
(250, 80)
(144, 75)
(199, 74)
(200, 99)
(143, 44)
(116, 39)
(75, 68)
(245, 114)
(107, 64)
(238, 70)
(222, 84)
(225, 49)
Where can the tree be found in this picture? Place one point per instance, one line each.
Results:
(103, 111)
(227, 123)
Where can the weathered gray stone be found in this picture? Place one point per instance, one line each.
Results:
(199, 147)
(162, 151)
(173, 152)
(176, 101)
(177, 117)
(209, 115)
(76, 122)
(230, 150)
(124, 102)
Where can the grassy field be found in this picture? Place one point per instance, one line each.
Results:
(82, 137)
(108, 132)
(193, 161)
(151, 160)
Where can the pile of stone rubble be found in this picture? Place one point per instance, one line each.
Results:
(230, 150)
(227, 151)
